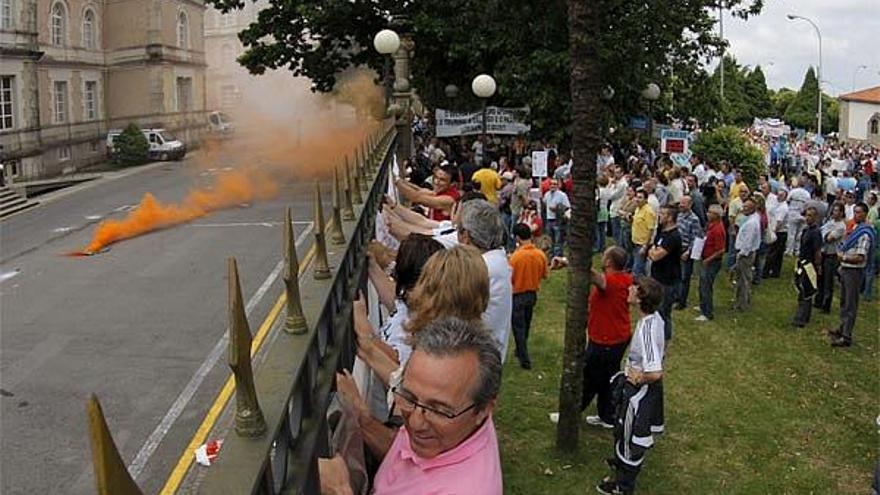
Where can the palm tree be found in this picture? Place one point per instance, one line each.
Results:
(584, 25)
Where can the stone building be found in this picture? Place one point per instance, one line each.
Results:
(70, 70)
(225, 75)
(860, 116)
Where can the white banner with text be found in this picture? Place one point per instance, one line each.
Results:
(498, 121)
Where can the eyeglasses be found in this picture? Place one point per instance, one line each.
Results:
(408, 404)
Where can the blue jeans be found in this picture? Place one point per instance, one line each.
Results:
(639, 262)
(707, 287)
(557, 236)
(507, 219)
(615, 231)
(869, 275)
(670, 294)
(760, 261)
(687, 271)
(601, 230)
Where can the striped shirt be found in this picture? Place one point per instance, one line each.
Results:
(647, 345)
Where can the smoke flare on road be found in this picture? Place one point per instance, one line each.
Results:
(291, 134)
(230, 189)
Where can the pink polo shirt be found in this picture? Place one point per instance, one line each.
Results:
(473, 467)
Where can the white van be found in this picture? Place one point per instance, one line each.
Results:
(220, 123)
(163, 145)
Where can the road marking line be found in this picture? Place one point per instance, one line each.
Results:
(186, 458)
(4, 276)
(61, 230)
(152, 443)
(93, 217)
(245, 224)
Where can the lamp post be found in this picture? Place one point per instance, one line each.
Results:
(400, 46)
(651, 93)
(793, 17)
(386, 42)
(855, 73)
(484, 87)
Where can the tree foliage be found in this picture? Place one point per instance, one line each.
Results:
(523, 44)
(727, 143)
(757, 95)
(131, 146)
(801, 112)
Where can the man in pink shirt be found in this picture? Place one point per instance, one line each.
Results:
(446, 395)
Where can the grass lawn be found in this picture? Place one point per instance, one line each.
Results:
(752, 405)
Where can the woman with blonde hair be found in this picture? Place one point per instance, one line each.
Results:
(453, 282)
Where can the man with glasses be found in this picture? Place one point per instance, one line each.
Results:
(446, 397)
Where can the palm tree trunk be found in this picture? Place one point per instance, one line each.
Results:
(584, 21)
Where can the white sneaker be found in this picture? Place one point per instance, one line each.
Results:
(554, 417)
(701, 318)
(597, 421)
(696, 308)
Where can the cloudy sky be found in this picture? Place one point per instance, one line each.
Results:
(784, 49)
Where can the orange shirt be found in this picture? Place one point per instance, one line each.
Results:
(529, 266)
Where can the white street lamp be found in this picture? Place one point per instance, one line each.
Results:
(651, 92)
(793, 17)
(484, 87)
(855, 73)
(386, 42)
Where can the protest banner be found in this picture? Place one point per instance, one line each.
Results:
(539, 163)
(499, 120)
(674, 141)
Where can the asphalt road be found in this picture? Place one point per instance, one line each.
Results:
(132, 325)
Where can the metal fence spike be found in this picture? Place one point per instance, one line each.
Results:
(356, 197)
(347, 206)
(337, 236)
(322, 267)
(111, 475)
(249, 420)
(295, 322)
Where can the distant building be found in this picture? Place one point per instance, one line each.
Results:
(222, 48)
(860, 116)
(70, 70)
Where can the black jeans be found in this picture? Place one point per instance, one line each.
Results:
(600, 364)
(773, 268)
(825, 282)
(521, 322)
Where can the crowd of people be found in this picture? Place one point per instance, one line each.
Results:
(468, 234)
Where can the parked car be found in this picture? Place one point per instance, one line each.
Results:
(163, 145)
(220, 123)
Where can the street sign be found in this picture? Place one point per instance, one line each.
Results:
(673, 141)
(638, 122)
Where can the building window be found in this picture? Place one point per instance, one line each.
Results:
(6, 14)
(64, 153)
(7, 118)
(90, 100)
(184, 94)
(228, 95)
(228, 19)
(875, 123)
(60, 101)
(59, 24)
(88, 30)
(182, 30)
(227, 53)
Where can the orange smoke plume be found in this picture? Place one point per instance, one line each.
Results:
(229, 190)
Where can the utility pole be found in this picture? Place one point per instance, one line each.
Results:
(721, 27)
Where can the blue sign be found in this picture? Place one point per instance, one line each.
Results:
(638, 122)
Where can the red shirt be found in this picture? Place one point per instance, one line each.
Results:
(609, 322)
(440, 215)
(716, 240)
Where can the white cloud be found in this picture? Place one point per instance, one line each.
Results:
(785, 48)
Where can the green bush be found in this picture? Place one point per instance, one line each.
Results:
(131, 147)
(728, 143)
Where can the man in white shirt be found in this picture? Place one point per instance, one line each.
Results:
(748, 241)
(480, 225)
(776, 250)
(618, 195)
(797, 202)
(557, 204)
